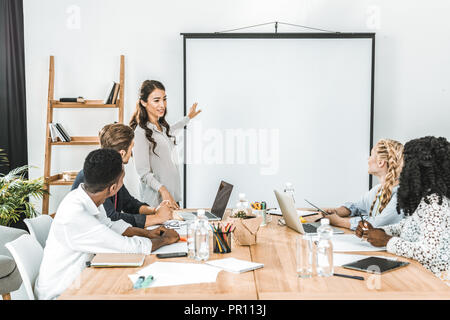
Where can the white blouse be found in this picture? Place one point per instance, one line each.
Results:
(424, 236)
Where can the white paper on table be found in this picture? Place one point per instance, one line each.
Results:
(301, 213)
(175, 274)
(235, 265)
(340, 259)
(350, 242)
(172, 248)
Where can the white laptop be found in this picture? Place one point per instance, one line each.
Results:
(292, 219)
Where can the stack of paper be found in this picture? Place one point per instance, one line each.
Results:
(172, 248)
(235, 265)
(350, 242)
(175, 274)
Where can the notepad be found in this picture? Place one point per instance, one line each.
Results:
(339, 259)
(235, 265)
(104, 260)
(376, 265)
(172, 248)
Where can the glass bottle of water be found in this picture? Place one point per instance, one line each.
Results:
(325, 249)
(202, 236)
(191, 229)
(289, 189)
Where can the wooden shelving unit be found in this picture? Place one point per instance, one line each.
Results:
(57, 179)
(78, 141)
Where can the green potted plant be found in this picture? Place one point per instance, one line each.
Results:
(15, 191)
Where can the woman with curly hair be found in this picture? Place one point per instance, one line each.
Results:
(379, 204)
(424, 197)
(154, 148)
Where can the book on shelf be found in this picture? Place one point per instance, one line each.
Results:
(57, 131)
(56, 134)
(109, 99)
(116, 93)
(63, 132)
(53, 134)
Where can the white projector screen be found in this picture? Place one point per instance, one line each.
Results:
(277, 110)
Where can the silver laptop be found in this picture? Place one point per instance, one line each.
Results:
(219, 205)
(291, 217)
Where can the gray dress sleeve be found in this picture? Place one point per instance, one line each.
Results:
(180, 124)
(141, 152)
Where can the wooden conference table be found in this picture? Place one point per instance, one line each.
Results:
(277, 280)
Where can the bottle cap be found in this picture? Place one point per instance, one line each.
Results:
(324, 221)
(200, 213)
(288, 184)
(241, 196)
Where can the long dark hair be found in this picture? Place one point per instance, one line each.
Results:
(140, 117)
(426, 171)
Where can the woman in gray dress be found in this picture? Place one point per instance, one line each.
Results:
(154, 148)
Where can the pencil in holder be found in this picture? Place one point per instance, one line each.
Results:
(221, 242)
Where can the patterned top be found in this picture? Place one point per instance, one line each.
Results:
(425, 236)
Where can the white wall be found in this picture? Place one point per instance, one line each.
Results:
(412, 93)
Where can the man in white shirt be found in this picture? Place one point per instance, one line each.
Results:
(81, 228)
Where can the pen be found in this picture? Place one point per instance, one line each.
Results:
(348, 276)
(361, 216)
(364, 229)
(138, 282)
(147, 281)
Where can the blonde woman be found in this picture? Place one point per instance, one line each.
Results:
(377, 206)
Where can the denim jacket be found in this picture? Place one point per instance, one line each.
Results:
(386, 217)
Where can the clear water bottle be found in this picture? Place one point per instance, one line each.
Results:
(202, 236)
(289, 189)
(325, 249)
(243, 205)
(191, 228)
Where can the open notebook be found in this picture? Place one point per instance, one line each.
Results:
(117, 260)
